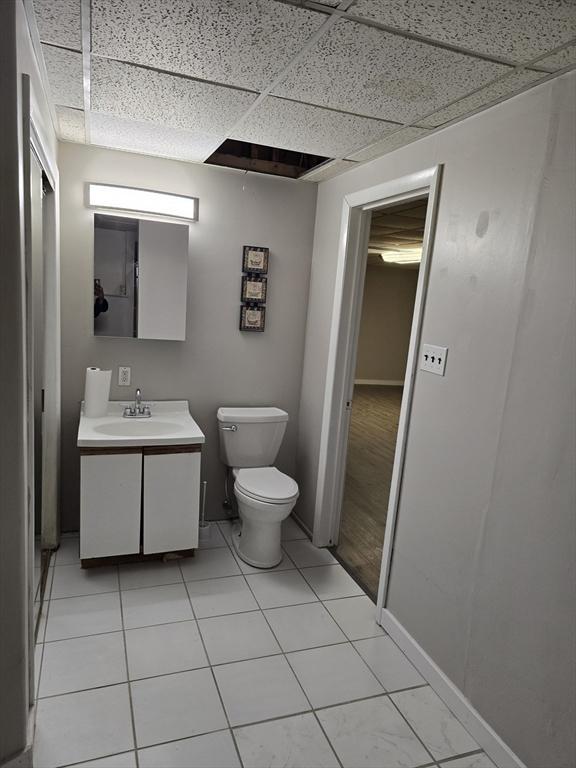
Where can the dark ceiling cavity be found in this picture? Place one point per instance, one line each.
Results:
(263, 159)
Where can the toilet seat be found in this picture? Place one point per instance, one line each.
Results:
(266, 484)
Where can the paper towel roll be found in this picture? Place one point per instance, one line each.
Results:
(96, 392)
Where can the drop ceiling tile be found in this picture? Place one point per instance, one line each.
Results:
(58, 22)
(305, 128)
(501, 89)
(140, 94)
(559, 60)
(236, 42)
(388, 144)
(65, 76)
(328, 170)
(71, 122)
(514, 30)
(360, 69)
(149, 139)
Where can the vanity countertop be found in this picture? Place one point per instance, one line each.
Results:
(170, 424)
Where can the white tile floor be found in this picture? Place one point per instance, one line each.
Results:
(210, 663)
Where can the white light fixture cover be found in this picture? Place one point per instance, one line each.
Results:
(402, 256)
(142, 201)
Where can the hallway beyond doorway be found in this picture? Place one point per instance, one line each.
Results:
(371, 447)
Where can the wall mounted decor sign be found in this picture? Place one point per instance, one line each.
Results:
(255, 259)
(252, 317)
(254, 289)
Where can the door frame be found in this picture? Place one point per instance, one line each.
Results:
(34, 143)
(346, 314)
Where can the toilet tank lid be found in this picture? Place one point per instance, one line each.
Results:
(253, 415)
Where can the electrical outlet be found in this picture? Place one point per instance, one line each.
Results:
(433, 359)
(124, 376)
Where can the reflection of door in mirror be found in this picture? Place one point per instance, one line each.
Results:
(115, 276)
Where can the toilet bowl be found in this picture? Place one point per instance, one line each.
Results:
(250, 438)
(265, 498)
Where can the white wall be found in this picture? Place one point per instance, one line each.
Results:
(483, 569)
(217, 364)
(387, 310)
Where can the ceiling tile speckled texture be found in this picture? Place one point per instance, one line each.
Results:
(235, 42)
(65, 76)
(151, 139)
(304, 128)
(59, 22)
(329, 170)
(518, 30)
(175, 78)
(71, 124)
(389, 143)
(564, 58)
(126, 90)
(364, 70)
(505, 87)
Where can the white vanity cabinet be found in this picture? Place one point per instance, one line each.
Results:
(110, 500)
(139, 501)
(170, 494)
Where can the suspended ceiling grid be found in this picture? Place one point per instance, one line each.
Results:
(349, 80)
(398, 228)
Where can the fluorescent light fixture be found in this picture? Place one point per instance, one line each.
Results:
(404, 256)
(142, 201)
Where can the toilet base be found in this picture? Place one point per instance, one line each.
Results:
(262, 541)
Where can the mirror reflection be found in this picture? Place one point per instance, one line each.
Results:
(115, 276)
(140, 278)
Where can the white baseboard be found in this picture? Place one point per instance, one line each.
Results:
(479, 729)
(380, 382)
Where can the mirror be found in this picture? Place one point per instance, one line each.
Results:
(140, 278)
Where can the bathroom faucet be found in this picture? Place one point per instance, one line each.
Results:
(137, 411)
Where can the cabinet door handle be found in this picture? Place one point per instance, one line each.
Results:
(231, 428)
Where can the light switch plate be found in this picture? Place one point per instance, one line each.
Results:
(124, 376)
(433, 359)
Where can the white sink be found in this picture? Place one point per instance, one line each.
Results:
(137, 428)
(170, 424)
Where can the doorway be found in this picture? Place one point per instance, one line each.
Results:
(386, 316)
(352, 258)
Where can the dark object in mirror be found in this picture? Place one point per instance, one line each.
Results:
(100, 303)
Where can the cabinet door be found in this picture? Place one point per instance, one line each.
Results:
(110, 493)
(171, 501)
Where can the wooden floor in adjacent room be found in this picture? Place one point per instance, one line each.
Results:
(371, 447)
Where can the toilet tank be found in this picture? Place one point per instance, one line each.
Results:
(250, 437)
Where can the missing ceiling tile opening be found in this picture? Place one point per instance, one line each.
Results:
(262, 159)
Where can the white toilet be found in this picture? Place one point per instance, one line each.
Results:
(249, 443)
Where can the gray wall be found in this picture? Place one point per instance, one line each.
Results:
(387, 310)
(217, 364)
(483, 570)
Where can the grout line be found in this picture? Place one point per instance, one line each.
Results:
(97, 759)
(211, 666)
(215, 681)
(410, 725)
(332, 747)
(132, 718)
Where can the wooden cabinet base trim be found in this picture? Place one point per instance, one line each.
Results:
(147, 450)
(137, 557)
